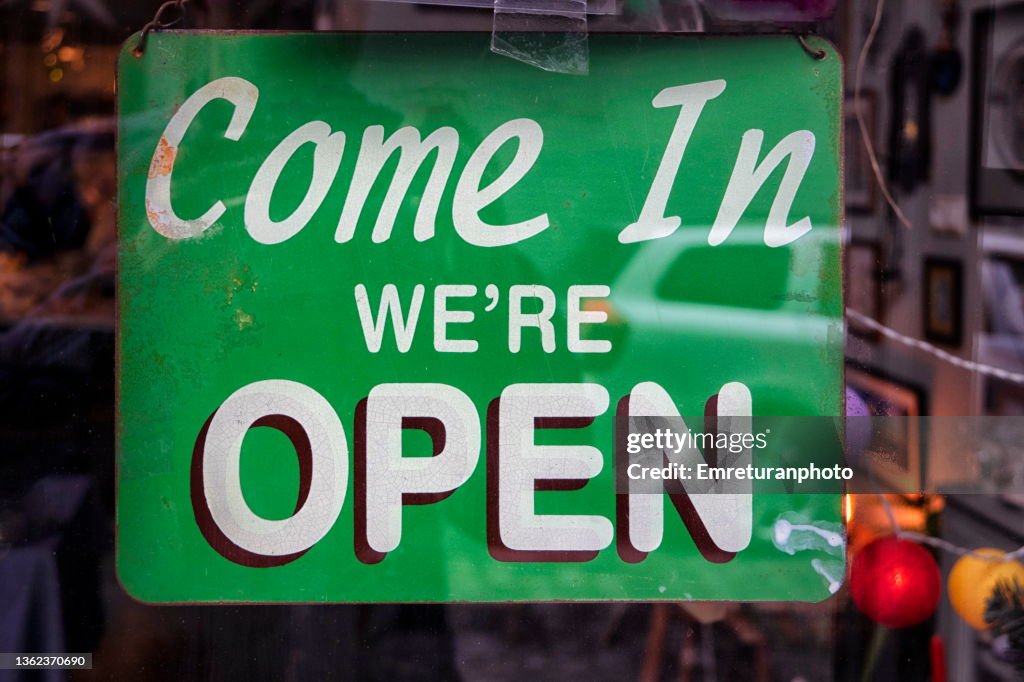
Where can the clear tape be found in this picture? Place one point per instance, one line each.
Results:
(592, 6)
(549, 35)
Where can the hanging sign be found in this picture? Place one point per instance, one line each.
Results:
(392, 305)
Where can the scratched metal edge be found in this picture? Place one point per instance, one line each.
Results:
(125, 51)
(118, 421)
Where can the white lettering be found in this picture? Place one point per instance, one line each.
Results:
(162, 217)
(653, 223)
(373, 154)
(522, 463)
(444, 317)
(748, 177)
(390, 306)
(470, 198)
(518, 320)
(326, 160)
(328, 468)
(390, 476)
(578, 317)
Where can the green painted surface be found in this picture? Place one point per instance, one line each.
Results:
(202, 317)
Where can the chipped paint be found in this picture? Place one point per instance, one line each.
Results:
(242, 319)
(163, 158)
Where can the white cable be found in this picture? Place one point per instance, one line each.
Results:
(865, 136)
(969, 365)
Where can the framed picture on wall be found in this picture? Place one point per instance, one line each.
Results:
(864, 283)
(860, 181)
(1004, 398)
(1001, 465)
(896, 445)
(943, 301)
(1002, 289)
(997, 99)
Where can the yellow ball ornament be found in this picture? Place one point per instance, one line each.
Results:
(973, 580)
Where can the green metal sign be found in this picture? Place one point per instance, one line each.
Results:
(385, 301)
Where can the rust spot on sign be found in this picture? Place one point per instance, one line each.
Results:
(242, 319)
(163, 159)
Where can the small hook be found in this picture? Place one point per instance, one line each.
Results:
(816, 53)
(158, 23)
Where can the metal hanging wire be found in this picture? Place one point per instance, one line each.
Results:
(817, 53)
(167, 15)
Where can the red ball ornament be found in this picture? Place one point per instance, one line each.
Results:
(895, 582)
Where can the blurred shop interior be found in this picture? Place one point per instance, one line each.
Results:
(941, 100)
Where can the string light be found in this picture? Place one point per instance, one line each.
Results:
(938, 543)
